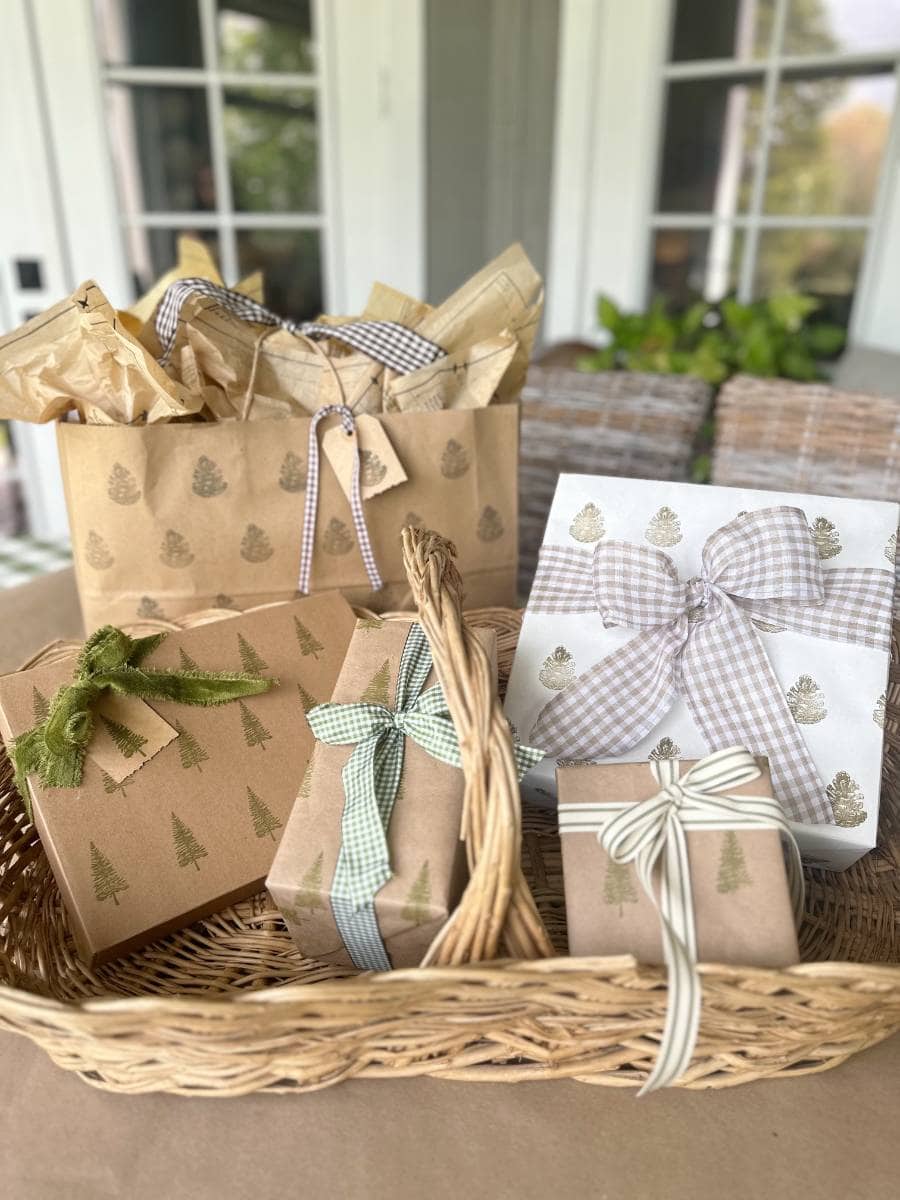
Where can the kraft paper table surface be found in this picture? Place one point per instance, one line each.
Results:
(823, 1136)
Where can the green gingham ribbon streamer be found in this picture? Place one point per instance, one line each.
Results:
(110, 660)
(652, 832)
(371, 777)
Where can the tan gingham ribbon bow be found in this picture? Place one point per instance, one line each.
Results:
(697, 640)
(652, 834)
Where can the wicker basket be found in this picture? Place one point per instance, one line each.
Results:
(228, 1006)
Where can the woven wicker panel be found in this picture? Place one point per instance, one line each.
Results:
(807, 437)
(609, 423)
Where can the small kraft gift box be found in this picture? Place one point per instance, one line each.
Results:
(679, 863)
(175, 808)
(670, 620)
(371, 864)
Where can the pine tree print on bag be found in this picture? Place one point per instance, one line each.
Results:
(378, 689)
(191, 752)
(588, 524)
(664, 528)
(454, 460)
(371, 469)
(208, 478)
(618, 886)
(416, 908)
(306, 641)
(255, 545)
(490, 525)
(733, 873)
(175, 550)
(111, 786)
(122, 486)
(292, 476)
(255, 733)
(187, 663)
(847, 801)
(149, 610)
(251, 662)
(128, 742)
(107, 880)
(558, 670)
(264, 820)
(826, 537)
(336, 539)
(188, 850)
(40, 706)
(306, 700)
(666, 747)
(96, 552)
(309, 895)
(806, 700)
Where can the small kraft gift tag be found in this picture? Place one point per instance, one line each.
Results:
(127, 734)
(379, 466)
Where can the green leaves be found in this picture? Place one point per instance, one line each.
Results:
(768, 337)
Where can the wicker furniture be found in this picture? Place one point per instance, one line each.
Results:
(609, 423)
(228, 1006)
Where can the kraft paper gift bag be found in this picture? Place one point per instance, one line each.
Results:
(669, 620)
(180, 808)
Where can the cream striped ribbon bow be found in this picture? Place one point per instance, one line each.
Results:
(653, 832)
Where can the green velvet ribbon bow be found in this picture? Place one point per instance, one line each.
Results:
(54, 750)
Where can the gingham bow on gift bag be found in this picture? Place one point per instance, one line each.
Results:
(696, 640)
(371, 778)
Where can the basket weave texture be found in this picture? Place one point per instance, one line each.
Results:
(228, 1006)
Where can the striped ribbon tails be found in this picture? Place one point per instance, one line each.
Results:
(652, 833)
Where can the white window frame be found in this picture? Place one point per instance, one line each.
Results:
(613, 71)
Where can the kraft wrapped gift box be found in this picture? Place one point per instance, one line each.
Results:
(427, 857)
(152, 841)
(831, 690)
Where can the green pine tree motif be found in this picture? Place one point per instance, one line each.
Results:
(191, 752)
(454, 460)
(490, 525)
(106, 879)
(306, 699)
(96, 552)
(847, 801)
(378, 689)
(175, 550)
(149, 610)
(418, 898)
(588, 524)
(666, 747)
(128, 742)
(208, 478)
(251, 662)
(292, 476)
(188, 850)
(187, 663)
(122, 486)
(733, 873)
(255, 733)
(664, 528)
(371, 469)
(618, 886)
(306, 783)
(40, 706)
(558, 670)
(307, 642)
(371, 622)
(255, 545)
(826, 537)
(309, 894)
(264, 820)
(336, 539)
(111, 785)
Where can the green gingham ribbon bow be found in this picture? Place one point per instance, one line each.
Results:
(371, 777)
(652, 833)
(55, 749)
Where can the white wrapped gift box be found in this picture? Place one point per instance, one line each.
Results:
(835, 690)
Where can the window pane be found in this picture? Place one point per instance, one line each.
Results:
(690, 264)
(265, 35)
(160, 146)
(290, 262)
(152, 252)
(822, 262)
(852, 25)
(272, 150)
(828, 139)
(722, 29)
(711, 135)
(149, 33)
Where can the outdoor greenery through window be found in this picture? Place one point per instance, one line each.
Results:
(777, 117)
(213, 119)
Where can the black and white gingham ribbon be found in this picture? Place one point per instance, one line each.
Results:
(653, 832)
(311, 505)
(393, 345)
(696, 640)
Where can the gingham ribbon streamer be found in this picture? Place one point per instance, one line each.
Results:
(653, 832)
(696, 640)
(393, 345)
(371, 777)
(311, 503)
